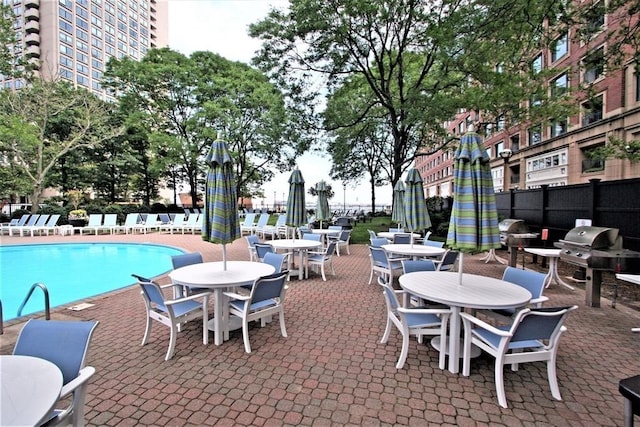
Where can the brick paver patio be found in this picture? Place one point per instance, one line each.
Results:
(332, 370)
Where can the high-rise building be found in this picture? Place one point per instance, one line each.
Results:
(74, 39)
(558, 151)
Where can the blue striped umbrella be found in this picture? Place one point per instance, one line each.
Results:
(220, 223)
(474, 217)
(416, 213)
(296, 209)
(398, 211)
(322, 205)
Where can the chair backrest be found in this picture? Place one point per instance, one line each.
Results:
(110, 220)
(252, 239)
(32, 220)
(183, 260)
(378, 256)
(401, 238)
(282, 220)
(23, 219)
(345, 235)
(275, 260)
(151, 219)
(410, 265)
(372, 234)
(262, 249)
(131, 219)
(433, 243)
(334, 227)
(249, 219)
(192, 219)
(164, 218)
(178, 219)
(396, 230)
(448, 259)
(426, 235)
(379, 241)
(64, 343)
(42, 220)
(311, 236)
(263, 219)
(268, 287)
(539, 323)
(530, 280)
(53, 220)
(331, 249)
(95, 220)
(151, 291)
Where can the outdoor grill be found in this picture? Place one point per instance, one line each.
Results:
(514, 234)
(597, 249)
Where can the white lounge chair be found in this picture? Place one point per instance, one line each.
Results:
(248, 223)
(175, 224)
(130, 221)
(150, 223)
(31, 221)
(109, 223)
(50, 225)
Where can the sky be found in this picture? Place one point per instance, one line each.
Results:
(221, 26)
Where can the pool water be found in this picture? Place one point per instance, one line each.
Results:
(74, 271)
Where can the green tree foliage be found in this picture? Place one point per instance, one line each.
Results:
(412, 64)
(185, 103)
(45, 121)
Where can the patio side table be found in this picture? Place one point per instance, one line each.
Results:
(630, 389)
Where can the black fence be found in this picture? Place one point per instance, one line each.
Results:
(613, 204)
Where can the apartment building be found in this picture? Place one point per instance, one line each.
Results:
(74, 39)
(555, 152)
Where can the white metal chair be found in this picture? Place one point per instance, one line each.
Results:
(383, 265)
(413, 321)
(532, 281)
(448, 261)
(533, 336)
(252, 239)
(65, 344)
(342, 240)
(172, 313)
(322, 258)
(265, 299)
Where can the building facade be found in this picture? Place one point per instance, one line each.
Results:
(556, 152)
(73, 39)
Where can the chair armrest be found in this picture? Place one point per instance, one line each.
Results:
(205, 294)
(466, 317)
(402, 258)
(538, 301)
(443, 311)
(83, 376)
(237, 296)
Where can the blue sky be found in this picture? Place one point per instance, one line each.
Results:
(221, 26)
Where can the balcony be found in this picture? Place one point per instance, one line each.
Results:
(32, 4)
(32, 27)
(32, 39)
(32, 51)
(32, 14)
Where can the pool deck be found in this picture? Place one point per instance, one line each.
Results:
(332, 369)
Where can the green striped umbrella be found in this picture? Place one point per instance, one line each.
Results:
(322, 205)
(220, 223)
(398, 211)
(296, 210)
(416, 213)
(473, 226)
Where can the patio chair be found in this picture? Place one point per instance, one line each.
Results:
(413, 265)
(65, 344)
(130, 221)
(448, 260)
(383, 265)
(532, 281)
(252, 239)
(379, 241)
(433, 243)
(41, 222)
(150, 223)
(396, 230)
(248, 223)
(263, 220)
(172, 313)
(95, 221)
(174, 224)
(109, 223)
(372, 234)
(321, 258)
(51, 225)
(413, 321)
(193, 223)
(31, 221)
(278, 261)
(401, 239)
(265, 299)
(182, 260)
(273, 230)
(341, 240)
(311, 236)
(533, 336)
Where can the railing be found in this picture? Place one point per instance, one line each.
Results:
(46, 299)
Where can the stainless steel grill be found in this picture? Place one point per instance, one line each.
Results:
(597, 249)
(514, 234)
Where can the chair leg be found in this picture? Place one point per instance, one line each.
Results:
(283, 328)
(499, 379)
(387, 332)
(245, 335)
(405, 350)
(324, 278)
(147, 330)
(172, 342)
(553, 379)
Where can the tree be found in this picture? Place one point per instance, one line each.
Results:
(421, 62)
(46, 120)
(188, 102)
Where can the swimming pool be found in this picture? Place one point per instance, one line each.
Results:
(74, 271)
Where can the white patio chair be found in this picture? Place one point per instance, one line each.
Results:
(318, 259)
(383, 265)
(95, 222)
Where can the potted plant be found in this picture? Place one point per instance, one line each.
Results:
(77, 217)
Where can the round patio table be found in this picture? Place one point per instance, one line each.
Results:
(299, 245)
(417, 250)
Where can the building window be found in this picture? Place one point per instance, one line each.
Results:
(536, 64)
(593, 66)
(593, 109)
(535, 135)
(499, 148)
(559, 47)
(515, 142)
(559, 85)
(594, 18)
(558, 127)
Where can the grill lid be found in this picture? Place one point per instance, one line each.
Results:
(592, 237)
(516, 226)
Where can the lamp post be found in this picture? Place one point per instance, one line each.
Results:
(344, 198)
(506, 155)
(274, 201)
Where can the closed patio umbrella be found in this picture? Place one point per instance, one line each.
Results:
(296, 210)
(398, 211)
(416, 213)
(473, 226)
(220, 223)
(322, 205)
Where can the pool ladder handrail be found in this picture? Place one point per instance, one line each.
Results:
(47, 313)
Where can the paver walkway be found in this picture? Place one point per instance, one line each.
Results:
(332, 370)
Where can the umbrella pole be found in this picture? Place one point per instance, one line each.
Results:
(224, 256)
(460, 265)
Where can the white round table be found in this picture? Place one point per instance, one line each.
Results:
(212, 275)
(389, 234)
(476, 291)
(552, 275)
(30, 388)
(416, 250)
(298, 245)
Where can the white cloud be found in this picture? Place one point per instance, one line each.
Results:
(221, 26)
